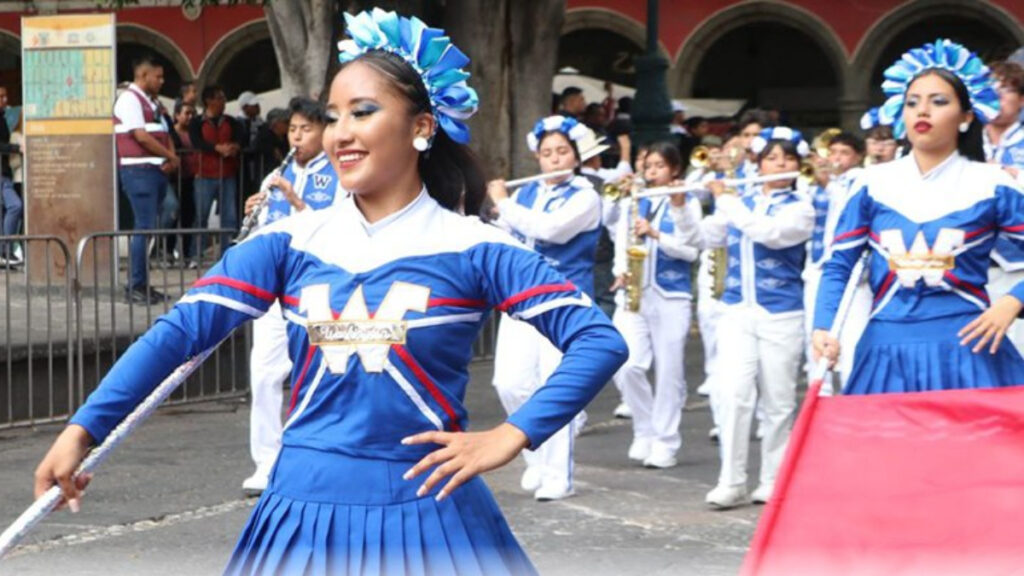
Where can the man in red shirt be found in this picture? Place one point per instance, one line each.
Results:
(218, 138)
(145, 157)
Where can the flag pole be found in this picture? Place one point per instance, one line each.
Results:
(46, 503)
(752, 561)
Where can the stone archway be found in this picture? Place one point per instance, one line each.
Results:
(578, 19)
(234, 44)
(919, 21)
(814, 45)
(133, 39)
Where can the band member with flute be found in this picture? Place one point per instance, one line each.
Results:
(385, 295)
(560, 219)
(931, 220)
(761, 330)
(656, 324)
(832, 184)
(307, 182)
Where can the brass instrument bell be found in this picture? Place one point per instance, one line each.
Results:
(700, 158)
(823, 140)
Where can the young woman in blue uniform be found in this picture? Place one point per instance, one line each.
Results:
(385, 295)
(930, 222)
(761, 331)
(559, 218)
(656, 333)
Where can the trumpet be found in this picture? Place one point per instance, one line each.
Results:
(617, 190)
(810, 172)
(250, 220)
(823, 140)
(700, 158)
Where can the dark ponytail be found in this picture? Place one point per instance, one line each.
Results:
(450, 171)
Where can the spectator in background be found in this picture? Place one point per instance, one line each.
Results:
(271, 142)
(184, 178)
(11, 205)
(621, 124)
(572, 103)
(188, 94)
(595, 118)
(251, 122)
(696, 130)
(219, 139)
(145, 157)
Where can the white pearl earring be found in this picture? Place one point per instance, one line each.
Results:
(420, 143)
(964, 126)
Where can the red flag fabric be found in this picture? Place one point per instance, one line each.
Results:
(925, 483)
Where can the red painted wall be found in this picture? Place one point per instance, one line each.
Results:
(850, 20)
(194, 39)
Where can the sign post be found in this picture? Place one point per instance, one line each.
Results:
(69, 69)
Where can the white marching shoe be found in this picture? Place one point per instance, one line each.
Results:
(661, 457)
(724, 497)
(705, 388)
(639, 449)
(623, 411)
(553, 491)
(255, 485)
(713, 434)
(762, 494)
(531, 479)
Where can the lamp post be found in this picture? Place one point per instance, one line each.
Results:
(652, 109)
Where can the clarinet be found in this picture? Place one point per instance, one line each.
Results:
(250, 221)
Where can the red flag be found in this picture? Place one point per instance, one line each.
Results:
(925, 484)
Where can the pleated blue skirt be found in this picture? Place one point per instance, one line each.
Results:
(927, 355)
(326, 513)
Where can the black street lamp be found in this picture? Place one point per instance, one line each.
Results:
(652, 109)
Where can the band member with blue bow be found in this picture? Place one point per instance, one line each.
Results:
(656, 331)
(384, 295)
(761, 331)
(560, 218)
(929, 223)
(308, 181)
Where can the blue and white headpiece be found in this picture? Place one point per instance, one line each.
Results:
(572, 129)
(780, 133)
(946, 55)
(432, 54)
(869, 120)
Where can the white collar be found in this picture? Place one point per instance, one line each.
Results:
(1010, 136)
(375, 227)
(135, 88)
(938, 170)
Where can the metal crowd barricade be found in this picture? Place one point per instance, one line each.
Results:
(108, 320)
(37, 383)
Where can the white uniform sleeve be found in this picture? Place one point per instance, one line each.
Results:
(684, 243)
(615, 174)
(621, 239)
(793, 223)
(581, 212)
(128, 110)
(611, 211)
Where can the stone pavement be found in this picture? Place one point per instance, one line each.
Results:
(169, 501)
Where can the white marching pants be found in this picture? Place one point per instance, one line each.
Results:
(762, 348)
(523, 361)
(999, 284)
(656, 334)
(269, 367)
(709, 313)
(856, 321)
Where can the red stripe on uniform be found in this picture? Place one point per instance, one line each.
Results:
(1017, 228)
(237, 285)
(978, 231)
(298, 382)
(289, 300)
(536, 291)
(978, 292)
(850, 234)
(456, 302)
(424, 379)
(884, 287)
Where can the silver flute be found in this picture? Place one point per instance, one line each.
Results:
(253, 217)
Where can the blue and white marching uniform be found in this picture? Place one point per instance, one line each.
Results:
(828, 204)
(316, 183)
(656, 335)
(382, 319)
(561, 223)
(930, 237)
(1010, 270)
(269, 364)
(761, 328)
(709, 309)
